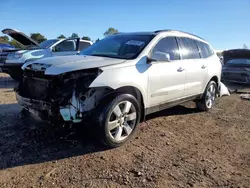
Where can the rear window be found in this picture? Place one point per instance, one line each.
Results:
(239, 61)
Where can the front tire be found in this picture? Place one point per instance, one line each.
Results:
(208, 99)
(117, 120)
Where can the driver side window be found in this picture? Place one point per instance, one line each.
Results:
(67, 45)
(166, 47)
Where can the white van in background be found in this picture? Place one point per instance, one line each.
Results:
(12, 62)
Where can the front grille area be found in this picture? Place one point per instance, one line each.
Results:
(37, 88)
(57, 89)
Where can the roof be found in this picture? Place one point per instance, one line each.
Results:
(157, 32)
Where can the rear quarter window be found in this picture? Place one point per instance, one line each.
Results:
(205, 49)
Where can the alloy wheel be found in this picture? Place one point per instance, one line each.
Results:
(122, 121)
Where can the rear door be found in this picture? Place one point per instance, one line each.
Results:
(196, 68)
(166, 76)
(66, 47)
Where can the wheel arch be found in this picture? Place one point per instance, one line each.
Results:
(215, 79)
(137, 94)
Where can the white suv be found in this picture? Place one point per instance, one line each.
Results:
(117, 81)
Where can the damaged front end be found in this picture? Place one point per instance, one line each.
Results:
(65, 97)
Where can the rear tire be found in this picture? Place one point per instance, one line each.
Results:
(208, 98)
(117, 120)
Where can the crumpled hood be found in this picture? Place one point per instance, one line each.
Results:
(63, 64)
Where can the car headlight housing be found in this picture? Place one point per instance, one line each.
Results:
(15, 56)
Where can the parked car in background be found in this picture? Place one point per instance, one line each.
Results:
(12, 62)
(5, 49)
(117, 81)
(236, 68)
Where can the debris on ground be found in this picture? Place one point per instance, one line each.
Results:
(245, 96)
(224, 90)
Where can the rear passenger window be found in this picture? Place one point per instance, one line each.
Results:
(83, 45)
(188, 48)
(205, 49)
(166, 46)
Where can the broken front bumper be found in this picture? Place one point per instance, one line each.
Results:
(48, 111)
(39, 108)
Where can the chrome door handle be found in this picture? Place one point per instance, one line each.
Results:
(180, 69)
(203, 67)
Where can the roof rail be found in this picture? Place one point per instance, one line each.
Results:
(178, 31)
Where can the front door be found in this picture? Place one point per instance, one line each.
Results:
(166, 76)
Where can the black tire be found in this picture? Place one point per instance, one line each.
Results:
(103, 115)
(202, 103)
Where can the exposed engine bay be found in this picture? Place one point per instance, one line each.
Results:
(64, 97)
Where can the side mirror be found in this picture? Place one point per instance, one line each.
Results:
(161, 56)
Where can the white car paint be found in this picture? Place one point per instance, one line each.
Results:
(158, 82)
(72, 63)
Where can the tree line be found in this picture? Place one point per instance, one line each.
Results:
(38, 37)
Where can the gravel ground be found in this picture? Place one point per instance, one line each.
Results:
(179, 147)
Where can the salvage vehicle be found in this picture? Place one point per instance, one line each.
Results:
(236, 68)
(119, 80)
(12, 61)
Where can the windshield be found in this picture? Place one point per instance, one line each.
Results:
(48, 43)
(119, 46)
(239, 61)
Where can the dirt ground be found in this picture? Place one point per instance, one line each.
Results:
(179, 147)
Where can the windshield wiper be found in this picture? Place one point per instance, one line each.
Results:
(110, 56)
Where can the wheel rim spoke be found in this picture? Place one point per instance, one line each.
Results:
(127, 129)
(210, 97)
(131, 116)
(118, 134)
(127, 106)
(113, 124)
(117, 111)
(122, 121)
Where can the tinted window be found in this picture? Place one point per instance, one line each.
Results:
(239, 61)
(48, 43)
(83, 45)
(166, 46)
(188, 48)
(67, 45)
(205, 49)
(119, 46)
